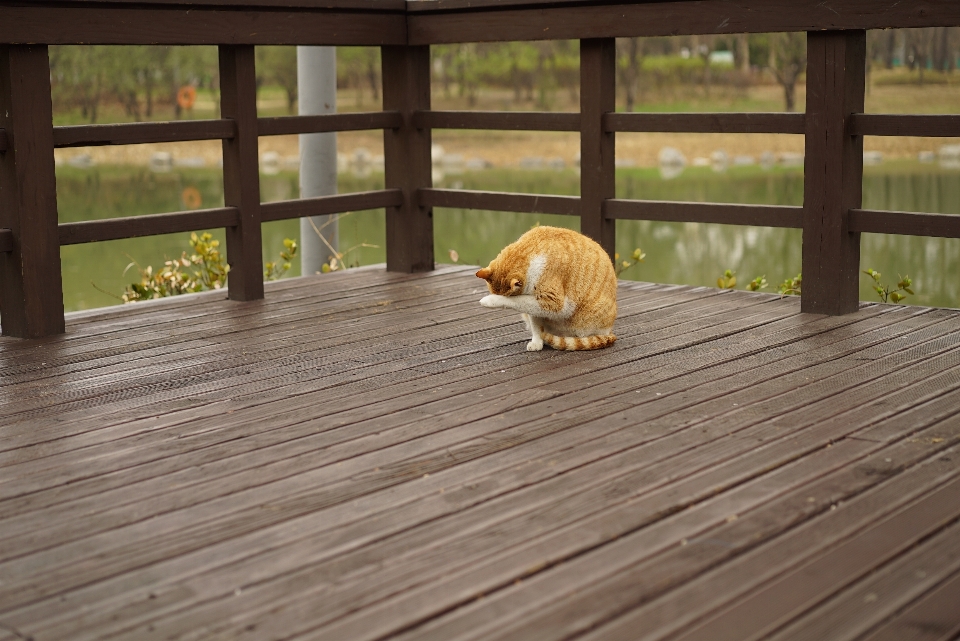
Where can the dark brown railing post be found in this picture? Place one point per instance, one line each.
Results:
(406, 151)
(241, 171)
(598, 68)
(31, 287)
(833, 171)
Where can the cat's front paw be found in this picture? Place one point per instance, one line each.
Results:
(491, 300)
(534, 346)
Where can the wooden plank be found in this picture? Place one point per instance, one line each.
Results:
(904, 125)
(721, 213)
(760, 545)
(778, 601)
(259, 400)
(407, 158)
(174, 324)
(547, 388)
(650, 575)
(3, 140)
(447, 5)
(325, 343)
(622, 20)
(767, 504)
(134, 133)
(933, 617)
(306, 402)
(889, 588)
(607, 534)
(727, 123)
(92, 231)
(833, 171)
(241, 177)
(503, 120)
(297, 312)
(439, 402)
(353, 5)
(499, 201)
(904, 222)
(468, 590)
(325, 205)
(31, 287)
(317, 343)
(210, 470)
(598, 69)
(196, 25)
(322, 123)
(6, 240)
(105, 325)
(104, 320)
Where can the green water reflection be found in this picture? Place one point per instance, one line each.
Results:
(688, 253)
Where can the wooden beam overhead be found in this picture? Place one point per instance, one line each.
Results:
(489, 22)
(179, 25)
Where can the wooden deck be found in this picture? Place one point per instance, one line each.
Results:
(368, 455)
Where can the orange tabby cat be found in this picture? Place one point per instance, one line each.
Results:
(562, 283)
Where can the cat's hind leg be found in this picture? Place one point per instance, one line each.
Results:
(536, 341)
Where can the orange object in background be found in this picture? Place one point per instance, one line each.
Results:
(191, 198)
(187, 96)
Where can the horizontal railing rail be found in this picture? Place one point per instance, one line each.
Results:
(499, 201)
(323, 123)
(710, 123)
(326, 205)
(138, 133)
(833, 126)
(693, 212)
(502, 120)
(905, 223)
(936, 126)
(93, 231)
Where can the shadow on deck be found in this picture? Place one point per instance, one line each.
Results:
(366, 454)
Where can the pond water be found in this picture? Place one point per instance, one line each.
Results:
(688, 253)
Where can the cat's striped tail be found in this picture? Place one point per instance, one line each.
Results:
(577, 342)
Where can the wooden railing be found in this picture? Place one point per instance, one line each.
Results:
(31, 301)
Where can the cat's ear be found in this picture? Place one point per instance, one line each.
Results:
(515, 284)
(485, 273)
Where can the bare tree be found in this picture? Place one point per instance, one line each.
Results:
(919, 44)
(788, 61)
(703, 46)
(742, 52)
(631, 52)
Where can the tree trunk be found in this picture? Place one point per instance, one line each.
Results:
(149, 90)
(889, 48)
(789, 95)
(743, 53)
(374, 80)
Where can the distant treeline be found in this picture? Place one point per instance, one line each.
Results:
(142, 79)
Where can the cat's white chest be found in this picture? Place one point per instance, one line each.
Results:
(538, 264)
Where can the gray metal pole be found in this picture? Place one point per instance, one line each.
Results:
(317, 91)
